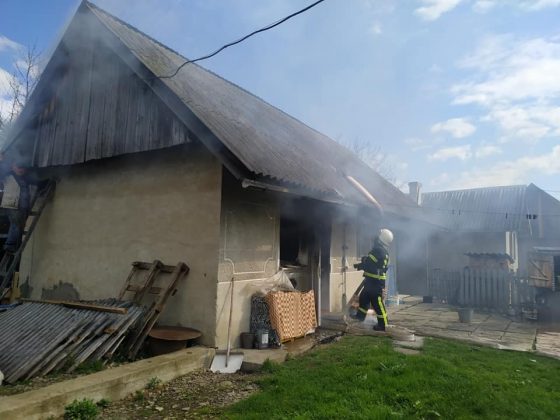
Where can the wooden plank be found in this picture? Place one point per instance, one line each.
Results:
(150, 278)
(146, 266)
(181, 270)
(127, 282)
(80, 305)
(140, 289)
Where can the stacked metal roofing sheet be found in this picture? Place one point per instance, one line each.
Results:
(37, 338)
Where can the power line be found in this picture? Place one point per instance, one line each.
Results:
(266, 28)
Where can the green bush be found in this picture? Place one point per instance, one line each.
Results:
(81, 410)
(153, 383)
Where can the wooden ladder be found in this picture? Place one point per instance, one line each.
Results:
(9, 262)
(150, 285)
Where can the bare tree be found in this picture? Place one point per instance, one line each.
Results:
(21, 83)
(372, 155)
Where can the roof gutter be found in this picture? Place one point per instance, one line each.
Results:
(250, 183)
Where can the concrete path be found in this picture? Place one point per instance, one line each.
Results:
(488, 329)
(440, 320)
(548, 343)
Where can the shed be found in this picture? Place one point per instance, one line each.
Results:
(187, 168)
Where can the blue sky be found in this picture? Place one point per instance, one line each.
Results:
(454, 93)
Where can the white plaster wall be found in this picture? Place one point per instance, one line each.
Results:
(106, 214)
(249, 252)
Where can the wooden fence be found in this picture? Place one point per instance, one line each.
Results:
(483, 288)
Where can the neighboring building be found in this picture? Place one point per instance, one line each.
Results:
(517, 227)
(188, 168)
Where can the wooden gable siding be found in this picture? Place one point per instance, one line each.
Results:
(99, 108)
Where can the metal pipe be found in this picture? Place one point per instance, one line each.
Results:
(249, 183)
(365, 192)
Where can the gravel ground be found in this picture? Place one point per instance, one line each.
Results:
(197, 395)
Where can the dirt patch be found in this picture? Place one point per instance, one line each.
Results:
(200, 394)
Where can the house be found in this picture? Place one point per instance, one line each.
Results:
(516, 227)
(186, 168)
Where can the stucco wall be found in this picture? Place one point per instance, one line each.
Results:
(248, 252)
(106, 214)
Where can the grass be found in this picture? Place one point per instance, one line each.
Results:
(85, 409)
(363, 377)
(90, 367)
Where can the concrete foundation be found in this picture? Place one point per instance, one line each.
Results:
(112, 384)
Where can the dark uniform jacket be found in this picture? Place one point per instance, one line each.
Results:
(375, 264)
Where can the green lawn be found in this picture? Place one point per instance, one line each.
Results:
(363, 377)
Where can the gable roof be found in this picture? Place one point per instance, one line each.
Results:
(268, 144)
(494, 209)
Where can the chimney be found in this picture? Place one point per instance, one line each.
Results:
(414, 192)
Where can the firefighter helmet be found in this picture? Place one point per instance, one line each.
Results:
(385, 236)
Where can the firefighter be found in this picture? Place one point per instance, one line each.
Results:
(16, 200)
(375, 266)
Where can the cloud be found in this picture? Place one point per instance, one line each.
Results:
(416, 144)
(487, 151)
(484, 6)
(457, 127)
(529, 123)
(5, 78)
(516, 82)
(535, 5)
(446, 153)
(375, 28)
(511, 70)
(432, 9)
(8, 44)
(4, 92)
(518, 171)
(380, 6)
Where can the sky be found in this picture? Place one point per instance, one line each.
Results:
(451, 93)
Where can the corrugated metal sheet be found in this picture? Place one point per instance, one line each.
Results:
(37, 338)
(493, 209)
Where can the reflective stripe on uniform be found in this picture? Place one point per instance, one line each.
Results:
(375, 276)
(382, 306)
(373, 258)
(362, 310)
